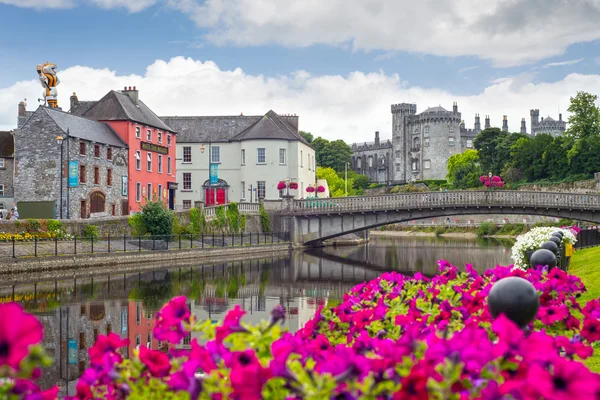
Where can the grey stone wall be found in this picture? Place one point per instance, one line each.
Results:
(6, 179)
(375, 161)
(37, 176)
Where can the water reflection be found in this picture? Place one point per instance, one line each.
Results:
(75, 311)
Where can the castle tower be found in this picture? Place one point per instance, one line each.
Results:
(505, 123)
(477, 123)
(487, 122)
(523, 126)
(400, 139)
(377, 139)
(455, 107)
(535, 119)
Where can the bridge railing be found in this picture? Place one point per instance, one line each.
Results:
(448, 199)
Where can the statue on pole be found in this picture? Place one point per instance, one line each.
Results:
(49, 81)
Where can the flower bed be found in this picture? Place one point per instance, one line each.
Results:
(533, 239)
(391, 338)
(30, 237)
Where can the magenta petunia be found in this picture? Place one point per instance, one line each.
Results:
(18, 331)
(104, 345)
(247, 376)
(157, 362)
(565, 380)
(591, 330)
(170, 321)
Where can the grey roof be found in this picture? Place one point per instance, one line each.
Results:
(81, 107)
(117, 106)
(203, 129)
(549, 119)
(84, 128)
(435, 109)
(233, 128)
(7, 144)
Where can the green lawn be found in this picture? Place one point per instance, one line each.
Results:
(586, 265)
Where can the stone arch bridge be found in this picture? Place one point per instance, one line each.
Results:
(312, 221)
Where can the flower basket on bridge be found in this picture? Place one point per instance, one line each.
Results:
(293, 185)
(321, 189)
(281, 185)
(310, 189)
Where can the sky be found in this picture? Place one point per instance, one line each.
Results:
(338, 65)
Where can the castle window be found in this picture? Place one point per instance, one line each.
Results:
(426, 129)
(427, 164)
(398, 154)
(370, 162)
(451, 129)
(426, 142)
(416, 143)
(359, 163)
(416, 131)
(415, 165)
(397, 167)
(469, 143)
(451, 141)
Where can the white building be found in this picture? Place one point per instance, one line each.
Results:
(252, 154)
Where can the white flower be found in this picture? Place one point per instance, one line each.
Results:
(532, 241)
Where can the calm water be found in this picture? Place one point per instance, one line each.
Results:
(75, 311)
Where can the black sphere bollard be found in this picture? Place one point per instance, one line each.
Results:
(555, 240)
(543, 257)
(550, 246)
(558, 233)
(516, 298)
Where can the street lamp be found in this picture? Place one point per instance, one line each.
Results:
(490, 176)
(59, 140)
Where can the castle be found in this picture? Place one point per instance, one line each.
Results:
(422, 143)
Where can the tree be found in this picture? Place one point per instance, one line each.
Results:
(556, 160)
(485, 143)
(464, 169)
(502, 154)
(319, 145)
(157, 219)
(336, 154)
(307, 136)
(528, 156)
(584, 157)
(585, 116)
(337, 184)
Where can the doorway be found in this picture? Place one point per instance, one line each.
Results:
(97, 201)
(83, 213)
(124, 207)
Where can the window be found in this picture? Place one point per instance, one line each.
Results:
(82, 177)
(243, 197)
(109, 153)
(398, 166)
(138, 133)
(261, 185)
(416, 143)
(159, 137)
(149, 340)
(282, 156)
(149, 191)
(149, 166)
(82, 148)
(187, 204)
(95, 335)
(370, 160)
(398, 154)
(160, 192)
(469, 143)
(108, 329)
(359, 163)
(308, 155)
(187, 154)
(427, 164)
(138, 192)
(243, 156)
(187, 339)
(451, 141)
(109, 177)
(160, 163)
(1, 162)
(426, 142)
(1, 190)
(215, 154)
(451, 129)
(187, 181)
(261, 155)
(113, 210)
(426, 129)
(415, 165)
(138, 341)
(301, 160)
(97, 150)
(149, 135)
(168, 140)
(82, 340)
(169, 165)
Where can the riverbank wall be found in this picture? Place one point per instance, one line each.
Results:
(84, 265)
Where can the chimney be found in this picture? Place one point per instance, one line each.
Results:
(477, 123)
(560, 117)
(133, 94)
(22, 110)
(74, 100)
(505, 123)
(455, 107)
(487, 122)
(377, 138)
(290, 119)
(523, 126)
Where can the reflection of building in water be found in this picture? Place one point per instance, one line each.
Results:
(139, 326)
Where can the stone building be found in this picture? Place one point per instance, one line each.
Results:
(7, 148)
(94, 166)
(546, 125)
(373, 159)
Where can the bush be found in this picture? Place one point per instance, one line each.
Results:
(136, 224)
(243, 223)
(265, 220)
(91, 232)
(157, 220)
(233, 216)
(32, 225)
(55, 225)
(196, 225)
(486, 229)
(220, 221)
(395, 189)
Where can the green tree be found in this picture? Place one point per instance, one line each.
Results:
(502, 154)
(336, 184)
(528, 156)
(584, 157)
(585, 116)
(319, 145)
(556, 159)
(360, 182)
(485, 143)
(464, 169)
(307, 136)
(157, 219)
(336, 154)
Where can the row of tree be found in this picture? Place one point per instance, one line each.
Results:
(519, 157)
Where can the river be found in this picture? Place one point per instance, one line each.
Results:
(75, 311)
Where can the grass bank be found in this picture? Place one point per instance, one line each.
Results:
(586, 265)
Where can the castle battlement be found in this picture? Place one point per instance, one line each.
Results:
(404, 108)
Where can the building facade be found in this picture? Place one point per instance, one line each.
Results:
(7, 148)
(250, 155)
(546, 125)
(373, 160)
(93, 169)
(152, 144)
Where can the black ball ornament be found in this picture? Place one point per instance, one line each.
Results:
(558, 234)
(516, 298)
(543, 257)
(550, 246)
(555, 240)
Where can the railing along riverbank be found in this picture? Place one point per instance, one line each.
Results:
(111, 244)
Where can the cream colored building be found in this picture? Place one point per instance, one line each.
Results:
(252, 154)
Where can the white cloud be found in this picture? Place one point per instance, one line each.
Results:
(40, 4)
(508, 32)
(131, 5)
(350, 107)
(563, 63)
(466, 69)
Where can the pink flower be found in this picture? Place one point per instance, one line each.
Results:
(321, 189)
(170, 321)
(552, 314)
(281, 185)
(294, 185)
(247, 376)
(201, 357)
(157, 362)
(18, 331)
(231, 324)
(567, 380)
(310, 189)
(591, 330)
(104, 345)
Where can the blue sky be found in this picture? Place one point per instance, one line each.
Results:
(274, 39)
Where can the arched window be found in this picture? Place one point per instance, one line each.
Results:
(370, 162)
(416, 143)
(416, 131)
(97, 201)
(358, 163)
